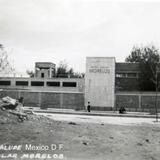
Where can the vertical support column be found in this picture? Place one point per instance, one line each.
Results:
(29, 82)
(40, 99)
(61, 83)
(115, 106)
(50, 72)
(45, 83)
(140, 100)
(13, 82)
(19, 93)
(61, 100)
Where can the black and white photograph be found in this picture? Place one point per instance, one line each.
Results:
(79, 79)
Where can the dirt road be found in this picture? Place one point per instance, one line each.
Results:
(100, 119)
(82, 140)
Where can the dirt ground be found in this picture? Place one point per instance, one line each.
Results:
(78, 141)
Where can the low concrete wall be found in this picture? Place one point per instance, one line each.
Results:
(129, 101)
(51, 100)
(132, 101)
(137, 101)
(68, 100)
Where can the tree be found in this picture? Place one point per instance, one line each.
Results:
(148, 58)
(30, 73)
(5, 66)
(78, 75)
(136, 55)
(62, 69)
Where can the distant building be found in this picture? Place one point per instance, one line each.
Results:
(127, 76)
(44, 70)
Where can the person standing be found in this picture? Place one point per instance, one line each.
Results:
(88, 107)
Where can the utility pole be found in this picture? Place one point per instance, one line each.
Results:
(156, 111)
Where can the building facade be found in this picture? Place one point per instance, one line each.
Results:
(127, 76)
(45, 70)
(107, 85)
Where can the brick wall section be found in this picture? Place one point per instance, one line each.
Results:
(13, 94)
(137, 101)
(127, 101)
(50, 100)
(76, 100)
(79, 98)
(149, 102)
(73, 101)
(30, 98)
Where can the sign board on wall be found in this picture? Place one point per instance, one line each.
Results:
(100, 81)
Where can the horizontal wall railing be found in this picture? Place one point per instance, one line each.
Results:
(53, 84)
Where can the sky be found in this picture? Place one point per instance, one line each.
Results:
(71, 30)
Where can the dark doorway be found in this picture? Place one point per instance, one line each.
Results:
(42, 75)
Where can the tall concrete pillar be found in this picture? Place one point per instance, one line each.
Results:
(100, 81)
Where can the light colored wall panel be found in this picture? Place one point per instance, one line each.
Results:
(100, 81)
